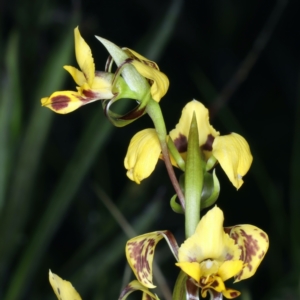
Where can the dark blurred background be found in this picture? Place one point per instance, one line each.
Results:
(240, 58)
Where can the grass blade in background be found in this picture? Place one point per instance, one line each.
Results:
(10, 108)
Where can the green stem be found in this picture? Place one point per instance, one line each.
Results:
(154, 111)
(193, 182)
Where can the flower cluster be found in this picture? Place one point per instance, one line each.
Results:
(211, 254)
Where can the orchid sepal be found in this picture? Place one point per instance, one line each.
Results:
(140, 252)
(63, 289)
(135, 285)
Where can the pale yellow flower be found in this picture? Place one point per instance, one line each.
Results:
(231, 151)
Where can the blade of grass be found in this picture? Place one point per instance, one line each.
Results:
(10, 111)
(25, 168)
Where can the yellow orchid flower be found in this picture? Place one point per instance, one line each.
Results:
(136, 78)
(211, 256)
(63, 289)
(231, 151)
(92, 85)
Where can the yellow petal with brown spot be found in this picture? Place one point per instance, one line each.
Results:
(230, 293)
(63, 289)
(215, 283)
(63, 102)
(253, 243)
(139, 253)
(180, 134)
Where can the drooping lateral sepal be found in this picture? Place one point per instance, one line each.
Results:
(137, 286)
(63, 289)
(140, 252)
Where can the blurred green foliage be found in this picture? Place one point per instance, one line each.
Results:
(51, 165)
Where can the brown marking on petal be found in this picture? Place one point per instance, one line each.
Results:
(208, 144)
(260, 256)
(58, 290)
(228, 256)
(134, 114)
(147, 297)
(127, 290)
(264, 236)
(181, 143)
(214, 284)
(251, 246)
(89, 94)
(234, 294)
(60, 102)
(140, 251)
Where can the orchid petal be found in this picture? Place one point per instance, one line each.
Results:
(84, 57)
(253, 243)
(231, 293)
(230, 268)
(180, 134)
(142, 155)
(215, 283)
(63, 289)
(192, 269)
(137, 286)
(140, 252)
(150, 70)
(63, 102)
(77, 75)
(233, 153)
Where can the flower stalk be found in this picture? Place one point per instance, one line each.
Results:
(154, 111)
(193, 180)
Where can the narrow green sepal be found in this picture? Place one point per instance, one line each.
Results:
(176, 207)
(210, 163)
(179, 292)
(175, 154)
(211, 190)
(193, 179)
